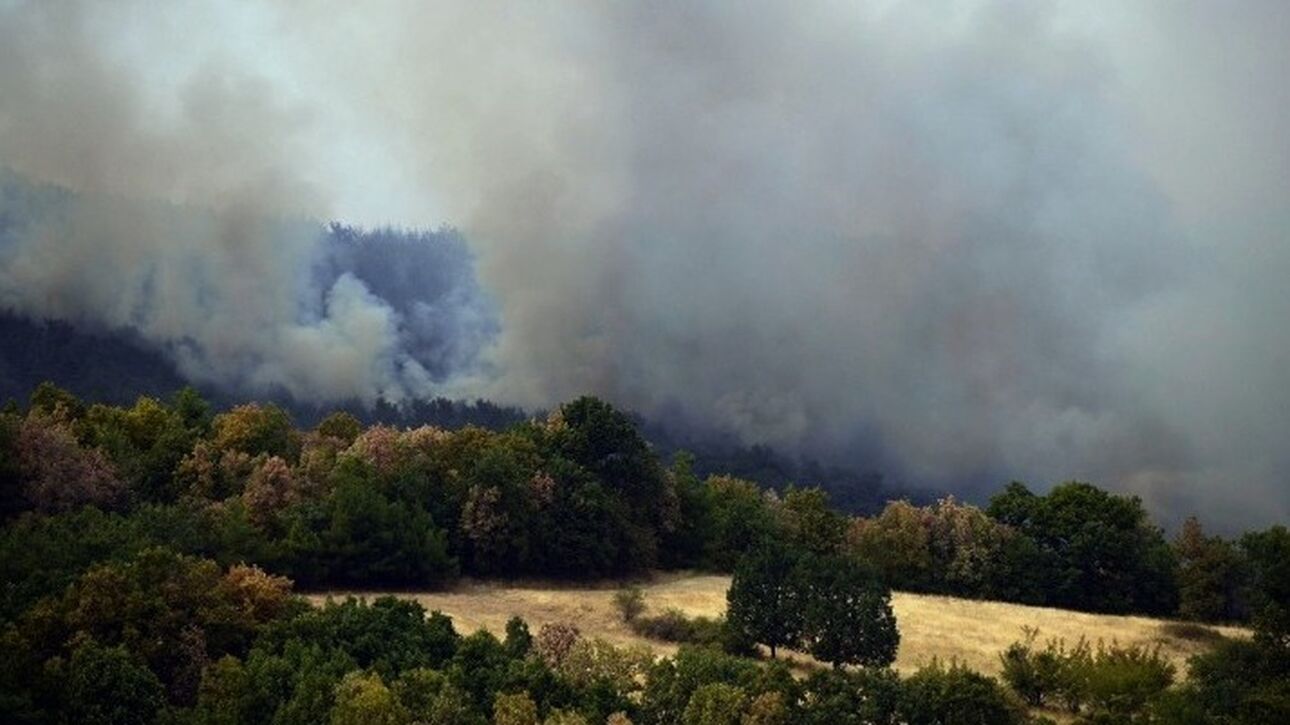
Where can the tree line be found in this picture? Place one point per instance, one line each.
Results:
(577, 494)
(147, 554)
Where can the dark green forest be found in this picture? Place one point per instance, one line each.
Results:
(150, 553)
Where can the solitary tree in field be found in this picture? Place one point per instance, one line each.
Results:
(848, 617)
(764, 601)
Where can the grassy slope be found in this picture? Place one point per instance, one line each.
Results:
(972, 632)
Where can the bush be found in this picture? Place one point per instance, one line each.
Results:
(518, 638)
(630, 603)
(516, 709)
(1033, 674)
(554, 640)
(940, 695)
(107, 685)
(715, 704)
(1192, 632)
(1121, 680)
(673, 626)
(1114, 680)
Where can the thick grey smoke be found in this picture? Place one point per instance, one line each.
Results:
(189, 220)
(982, 240)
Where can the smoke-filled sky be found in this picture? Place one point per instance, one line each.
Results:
(968, 241)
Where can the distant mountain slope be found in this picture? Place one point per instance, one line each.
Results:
(112, 368)
(118, 367)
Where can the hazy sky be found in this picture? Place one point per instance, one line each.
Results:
(967, 241)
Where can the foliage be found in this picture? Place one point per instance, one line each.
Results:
(1100, 550)
(848, 616)
(809, 523)
(388, 635)
(738, 520)
(861, 697)
(715, 704)
(254, 429)
(630, 603)
(341, 425)
(519, 641)
(1243, 682)
(106, 686)
(673, 626)
(1268, 554)
(515, 709)
(431, 697)
(1034, 674)
(144, 545)
(597, 661)
(59, 473)
(672, 682)
(1109, 681)
(1212, 576)
(554, 641)
(954, 695)
(363, 699)
(765, 601)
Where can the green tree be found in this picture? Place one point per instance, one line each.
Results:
(955, 695)
(630, 603)
(430, 697)
(765, 601)
(739, 520)
(519, 641)
(362, 698)
(1268, 554)
(672, 681)
(254, 429)
(107, 686)
(1103, 551)
(861, 697)
(57, 402)
(603, 440)
(1211, 575)
(341, 426)
(515, 709)
(358, 535)
(809, 522)
(715, 704)
(848, 616)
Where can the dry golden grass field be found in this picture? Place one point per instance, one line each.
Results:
(973, 632)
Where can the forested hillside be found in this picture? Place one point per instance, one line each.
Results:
(150, 550)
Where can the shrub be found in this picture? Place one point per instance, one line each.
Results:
(940, 695)
(673, 626)
(107, 685)
(1192, 632)
(363, 699)
(518, 639)
(715, 704)
(1121, 680)
(1033, 674)
(630, 603)
(554, 641)
(516, 709)
(591, 661)
(857, 697)
(1114, 680)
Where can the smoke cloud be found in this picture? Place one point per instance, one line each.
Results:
(966, 241)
